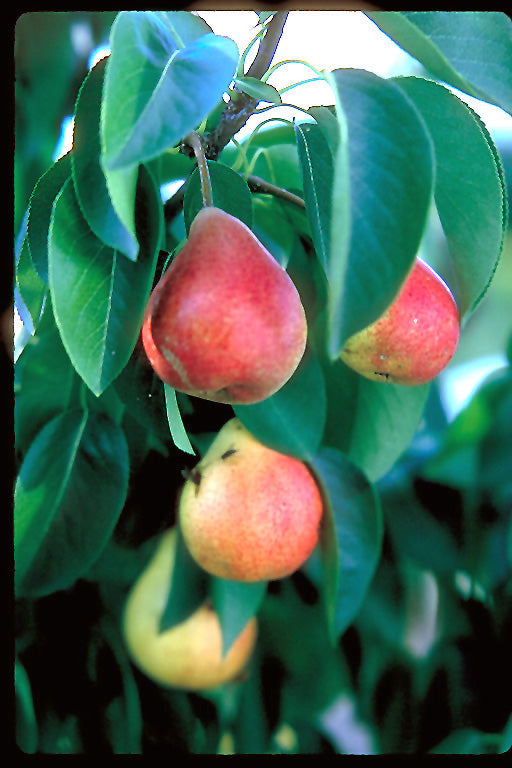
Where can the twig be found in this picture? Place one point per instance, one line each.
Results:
(256, 184)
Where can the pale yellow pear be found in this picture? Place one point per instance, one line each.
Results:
(188, 655)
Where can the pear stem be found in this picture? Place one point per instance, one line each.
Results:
(202, 164)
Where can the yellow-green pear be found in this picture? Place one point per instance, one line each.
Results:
(188, 655)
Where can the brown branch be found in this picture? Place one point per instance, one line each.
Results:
(265, 187)
(237, 111)
(268, 45)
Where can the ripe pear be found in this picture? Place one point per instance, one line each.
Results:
(225, 322)
(247, 512)
(415, 338)
(189, 654)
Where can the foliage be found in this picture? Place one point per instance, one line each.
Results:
(402, 616)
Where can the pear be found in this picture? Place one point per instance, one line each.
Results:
(225, 322)
(188, 655)
(415, 338)
(247, 512)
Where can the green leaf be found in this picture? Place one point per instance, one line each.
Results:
(142, 43)
(40, 212)
(376, 421)
(319, 169)
(277, 164)
(391, 182)
(471, 51)
(44, 381)
(235, 603)
(292, 420)
(351, 537)
(188, 587)
(177, 80)
(88, 177)
(27, 732)
(69, 494)
(473, 215)
(230, 193)
(258, 90)
(98, 295)
(30, 286)
(178, 431)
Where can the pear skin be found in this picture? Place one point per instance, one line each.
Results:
(415, 338)
(225, 322)
(188, 655)
(247, 512)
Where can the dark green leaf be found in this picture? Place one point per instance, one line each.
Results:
(292, 420)
(370, 421)
(26, 721)
(473, 216)
(391, 180)
(69, 494)
(469, 50)
(351, 536)
(40, 212)
(235, 603)
(44, 380)
(88, 177)
(188, 587)
(98, 295)
(230, 193)
(319, 171)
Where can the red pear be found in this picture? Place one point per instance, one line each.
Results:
(247, 512)
(415, 338)
(225, 322)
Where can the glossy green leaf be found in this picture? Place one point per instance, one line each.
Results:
(391, 181)
(292, 420)
(69, 494)
(469, 50)
(176, 426)
(236, 603)
(40, 212)
(473, 216)
(88, 177)
(155, 56)
(320, 168)
(375, 422)
(98, 295)
(142, 44)
(230, 193)
(258, 90)
(351, 536)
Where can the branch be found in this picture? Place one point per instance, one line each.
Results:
(236, 112)
(265, 187)
(268, 45)
(239, 109)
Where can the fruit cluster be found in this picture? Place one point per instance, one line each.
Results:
(225, 323)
